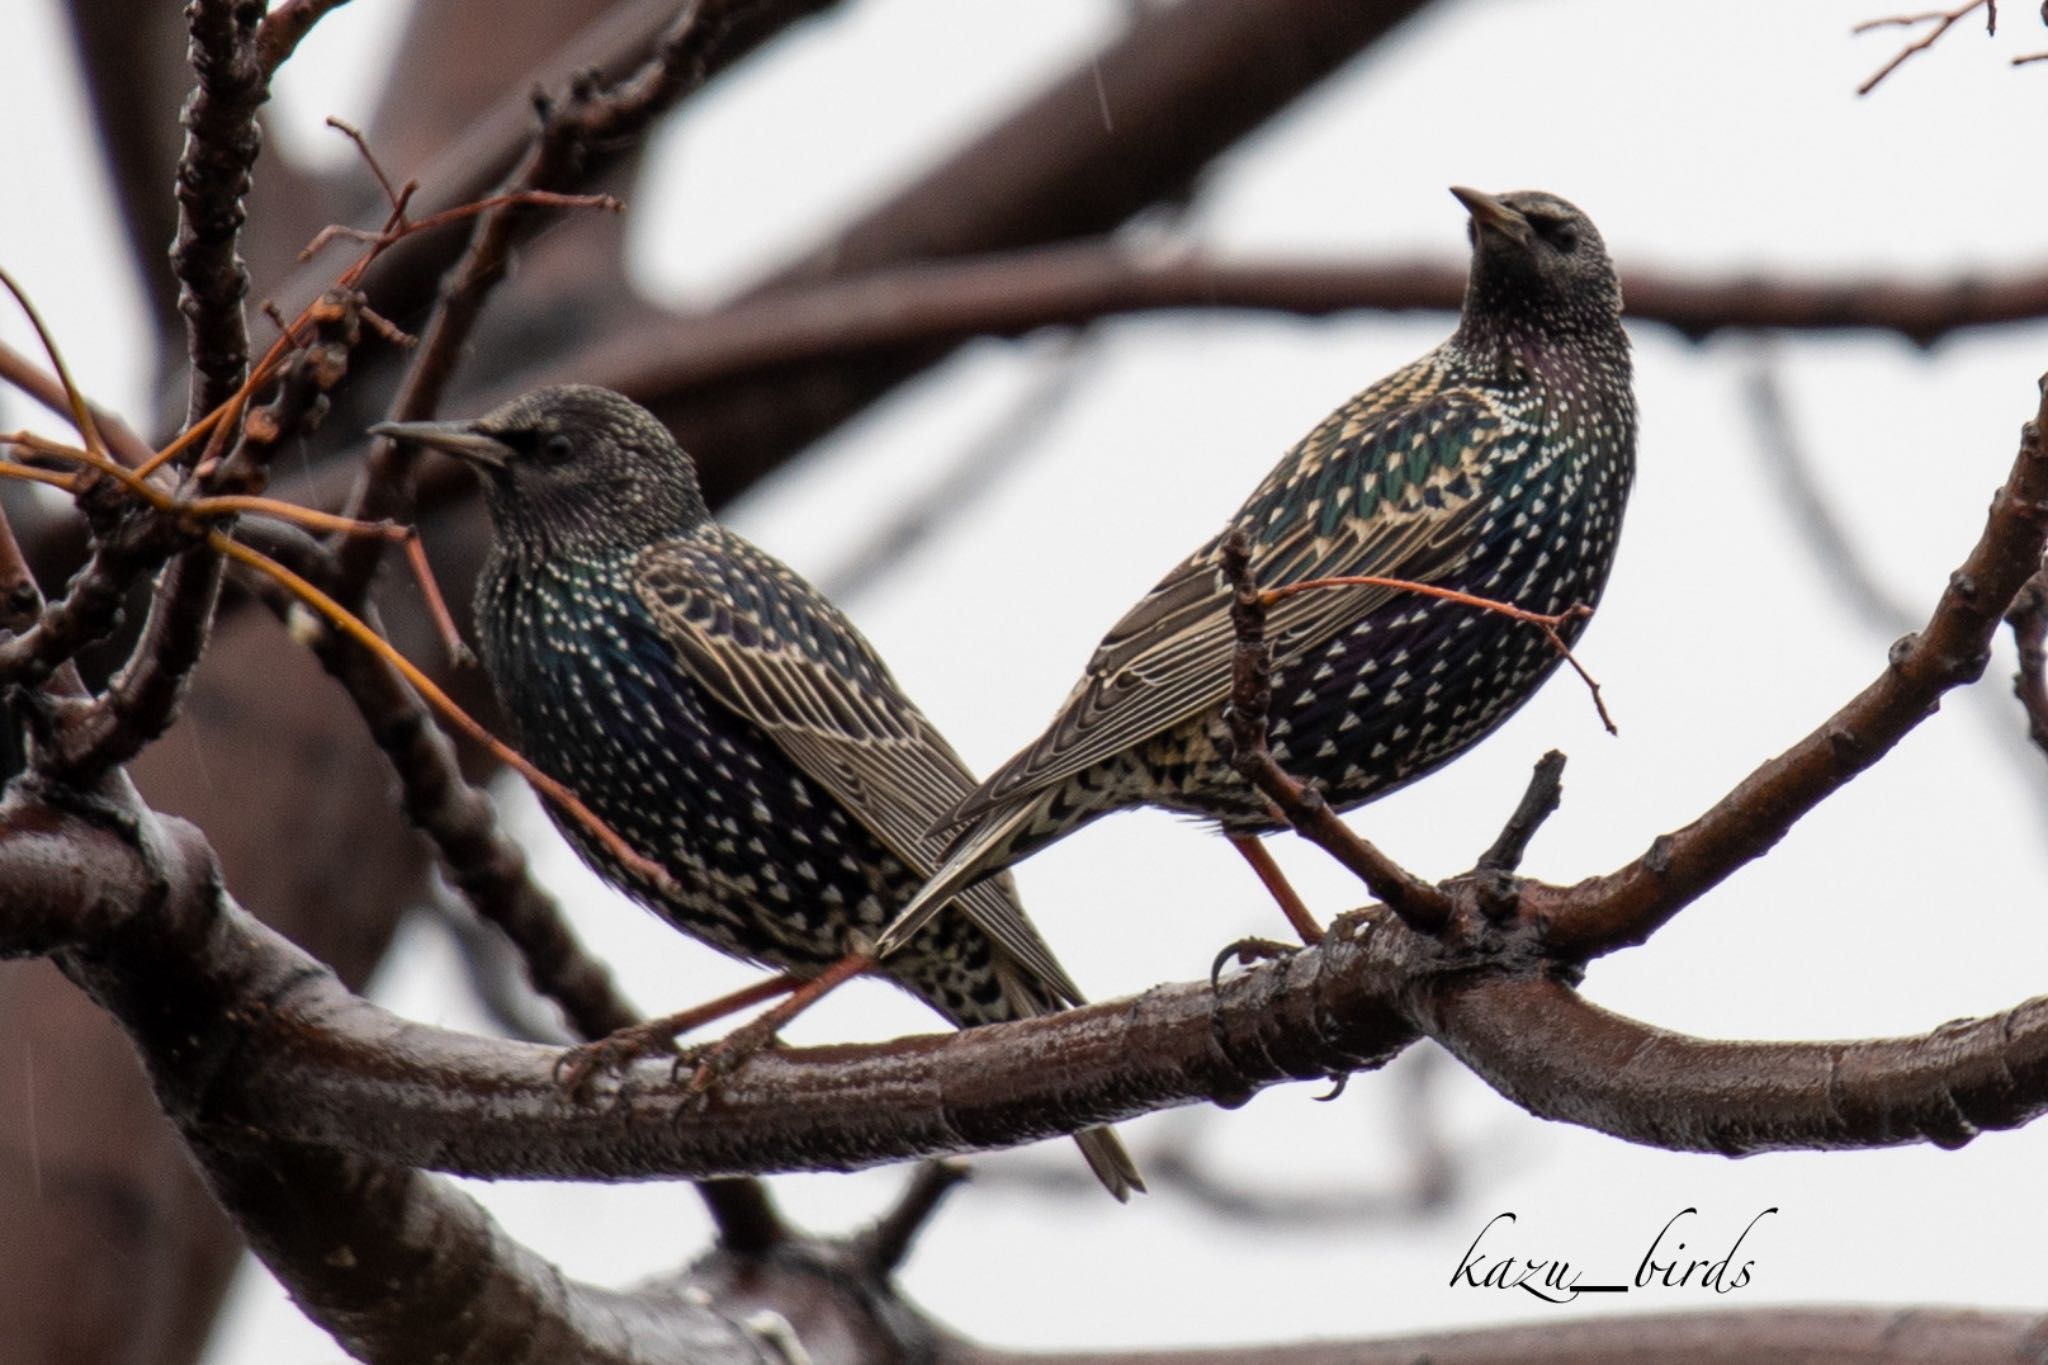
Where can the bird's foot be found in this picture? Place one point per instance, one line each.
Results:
(710, 1064)
(1247, 951)
(612, 1053)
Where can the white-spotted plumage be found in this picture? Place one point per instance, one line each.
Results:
(1498, 465)
(726, 721)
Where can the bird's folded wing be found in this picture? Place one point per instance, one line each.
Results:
(1392, 493)
(790, 664)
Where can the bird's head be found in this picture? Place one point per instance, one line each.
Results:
(572, 469)
(1538, 267)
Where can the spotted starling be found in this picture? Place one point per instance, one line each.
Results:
(724, 719)
(1497, 465)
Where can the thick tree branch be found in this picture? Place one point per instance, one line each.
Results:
(1764, 1336)
(945, 302)
(1541, 1045)
(251, 1041)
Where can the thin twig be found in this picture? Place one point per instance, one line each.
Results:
(353, 626)
(1424, 907)
(1943, 21)
(394, 199)
(1550, 624)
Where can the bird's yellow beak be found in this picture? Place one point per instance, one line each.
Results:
(452, 438)
(1493, 216)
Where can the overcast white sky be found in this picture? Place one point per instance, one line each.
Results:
(1710, 138)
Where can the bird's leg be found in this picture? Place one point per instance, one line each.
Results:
(719, 1059)
(1290, 901)
(615, 1050)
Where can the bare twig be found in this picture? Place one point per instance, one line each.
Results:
(1943, 21)
(1422, 906)
(1551, 624)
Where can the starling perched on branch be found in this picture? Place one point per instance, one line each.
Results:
(1497, 465)
(725, 720)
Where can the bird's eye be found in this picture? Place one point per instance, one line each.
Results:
(557, 448)
(1557, 232)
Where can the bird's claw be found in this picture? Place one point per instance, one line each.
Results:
(710, 1064)
(1245, 952)
(612, 1053)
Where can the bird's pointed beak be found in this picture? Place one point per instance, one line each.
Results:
(1493, 216)
(459, 439)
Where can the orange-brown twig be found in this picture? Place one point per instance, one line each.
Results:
(328, 522)
(1549, 624)
(94, 455)
(81, 411)
(30, 474)
(437, 606)
(215, 426)
(356, 629)
(312, 519)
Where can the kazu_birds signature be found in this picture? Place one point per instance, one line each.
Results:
(729, 723)
(1498, 466)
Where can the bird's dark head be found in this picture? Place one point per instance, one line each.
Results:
(1538, 267)
(572, 470)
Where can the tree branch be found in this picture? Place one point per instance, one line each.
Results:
(221, 142)
(929, 303)
(251, 1041)
(1602, 914)
(1763, 1336)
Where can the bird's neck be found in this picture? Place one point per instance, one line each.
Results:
(1575, 353)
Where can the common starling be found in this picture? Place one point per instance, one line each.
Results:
(724, 719)
(1497, 465)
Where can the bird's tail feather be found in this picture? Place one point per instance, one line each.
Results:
(1112, 1165)
(1104, 1151)
(975, 856)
